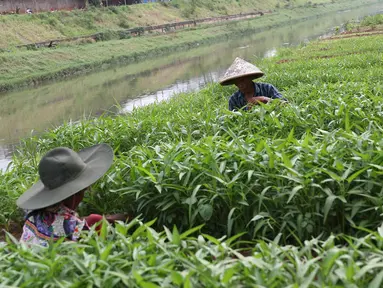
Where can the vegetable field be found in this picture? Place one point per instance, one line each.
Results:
(298, 187)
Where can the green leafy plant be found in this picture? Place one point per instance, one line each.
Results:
(306, 169)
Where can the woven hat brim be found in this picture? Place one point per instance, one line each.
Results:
(98, 160)
(231, 80)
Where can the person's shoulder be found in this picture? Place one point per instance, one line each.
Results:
(263, 84)
(235, 95)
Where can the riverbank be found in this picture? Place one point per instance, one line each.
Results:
(25, 29)
(26, 67)
(300, 182)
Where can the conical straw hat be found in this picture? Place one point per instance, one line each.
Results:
(240, 68)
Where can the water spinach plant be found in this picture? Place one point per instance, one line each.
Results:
(136, 255)
(281, 180)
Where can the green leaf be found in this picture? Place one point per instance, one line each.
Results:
(187, 283)
(249, 174)
(177, 278)
(168, 234)
(347, 121)
(293, 192)
(144, 284)
(286, 161)
(368, 269)
(190, 200)
(356, 174)
(327, 206)
(230, 221)
(176, 236)
(104, 228)
(228, 275)
(147, 173)
(380, 230)
(332, 175)
(233, 238)
(191, 231)
(377, 281)
(104, 255)
(211, 239)
(158, 187)
(137, 276)
(329, 261)
(206, 211)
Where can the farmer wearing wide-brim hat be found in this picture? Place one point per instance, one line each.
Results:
(242, 73)
(64, 177)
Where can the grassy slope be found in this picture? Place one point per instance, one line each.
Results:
(21, 29)
(20, 67)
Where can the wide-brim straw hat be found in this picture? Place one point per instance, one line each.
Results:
(63, 173)
(240, 68)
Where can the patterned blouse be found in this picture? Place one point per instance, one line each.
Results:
(52, 223)
(237, 101)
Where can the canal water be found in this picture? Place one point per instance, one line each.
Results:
(32, 111)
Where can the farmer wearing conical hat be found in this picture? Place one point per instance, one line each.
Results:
(241, 74)
(64, 177)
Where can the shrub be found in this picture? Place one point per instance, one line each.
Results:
(123, 24)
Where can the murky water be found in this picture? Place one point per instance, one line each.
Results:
(25, 113)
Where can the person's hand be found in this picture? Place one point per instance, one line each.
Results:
(117, 217)
(256, 100)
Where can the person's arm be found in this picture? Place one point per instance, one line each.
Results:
(273, 93)
(231, 104)
(118, 217)
(270, 93)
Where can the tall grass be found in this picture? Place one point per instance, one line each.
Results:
(307, 169)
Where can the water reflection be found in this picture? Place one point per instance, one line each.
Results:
(5, 155)
(179, 87)
(149, 81)
(270, 53)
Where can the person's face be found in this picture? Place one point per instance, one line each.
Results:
(73, 201)
(244, 84)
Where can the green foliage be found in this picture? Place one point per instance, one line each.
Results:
(307, 173)
(310, 168)
(107, 35)
(135, 255)
(372, 20)
(124, 24)
(95, 3)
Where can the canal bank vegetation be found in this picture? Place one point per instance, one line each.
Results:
(368, 24)
(296, 188)
(22, 67)
(24, 29)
